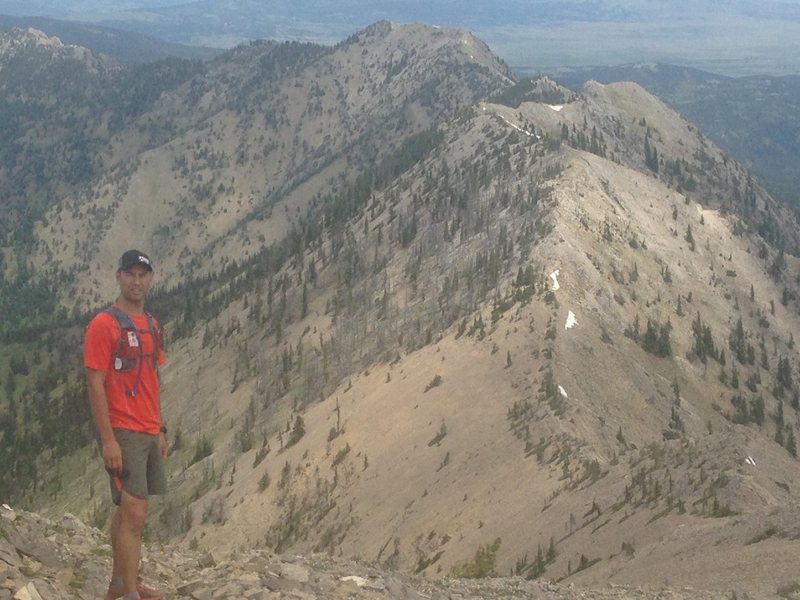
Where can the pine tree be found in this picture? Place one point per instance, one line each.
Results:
(298, 431)
(784, 375)
(790, 444)
(757, 410)
(551, 551)
(664, 345)
(689, 237)
(779, 436)
(650, 155)
(742, 414)
(650, 338)
(779, 418)
(738, 343)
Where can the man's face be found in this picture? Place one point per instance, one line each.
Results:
(134, 283)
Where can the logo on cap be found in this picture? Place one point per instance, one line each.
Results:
(134, 257)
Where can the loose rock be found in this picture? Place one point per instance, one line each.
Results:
(43, 560)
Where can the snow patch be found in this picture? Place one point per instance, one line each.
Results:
(520, 129)
(556, 107)
(562, 392)
(571, 321)
(749, 461)
(554, 277)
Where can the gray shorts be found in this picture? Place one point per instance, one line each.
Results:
(142, 466)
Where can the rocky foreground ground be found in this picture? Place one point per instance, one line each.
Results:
(54, 559)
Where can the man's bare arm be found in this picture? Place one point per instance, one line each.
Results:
(112, 454)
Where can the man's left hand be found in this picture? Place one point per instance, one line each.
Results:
(162, 443)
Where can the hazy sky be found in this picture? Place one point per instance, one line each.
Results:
(739, 36)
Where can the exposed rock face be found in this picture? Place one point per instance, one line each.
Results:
(45, 559)
(42, 56)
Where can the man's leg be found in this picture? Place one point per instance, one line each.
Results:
(129, 491)
(126, 539)
(116, 576)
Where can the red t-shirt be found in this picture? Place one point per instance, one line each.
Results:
(137, 413)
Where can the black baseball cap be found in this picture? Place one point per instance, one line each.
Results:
(132, 258)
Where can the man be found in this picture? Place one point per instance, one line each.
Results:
(122, 353)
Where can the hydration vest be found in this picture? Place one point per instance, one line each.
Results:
(129, 355)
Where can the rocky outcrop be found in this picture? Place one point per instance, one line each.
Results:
(49, 559)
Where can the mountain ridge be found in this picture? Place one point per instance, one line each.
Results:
(750, 117)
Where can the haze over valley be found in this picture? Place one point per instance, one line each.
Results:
(735, 37)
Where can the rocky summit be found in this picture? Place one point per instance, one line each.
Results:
(45, 559)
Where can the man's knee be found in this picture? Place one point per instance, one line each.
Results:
(133, 512)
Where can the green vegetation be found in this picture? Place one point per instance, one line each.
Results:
(655, 339)
(531, 90)
(585, 139)
(538, 567)
(340, 456)
(65, 156)
(435, 382)
(264, 482)
(704, 346)
(43, 411)
(650, 154)
(716, 104)
(298, 431)
(483, 565)
(440, 435)
(740, 346)
(584, 563)
(28, 307)
(203, 447)
(764, 535)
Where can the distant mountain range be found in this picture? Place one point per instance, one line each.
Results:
(755, 118)
(744, 37)
(123, 46)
